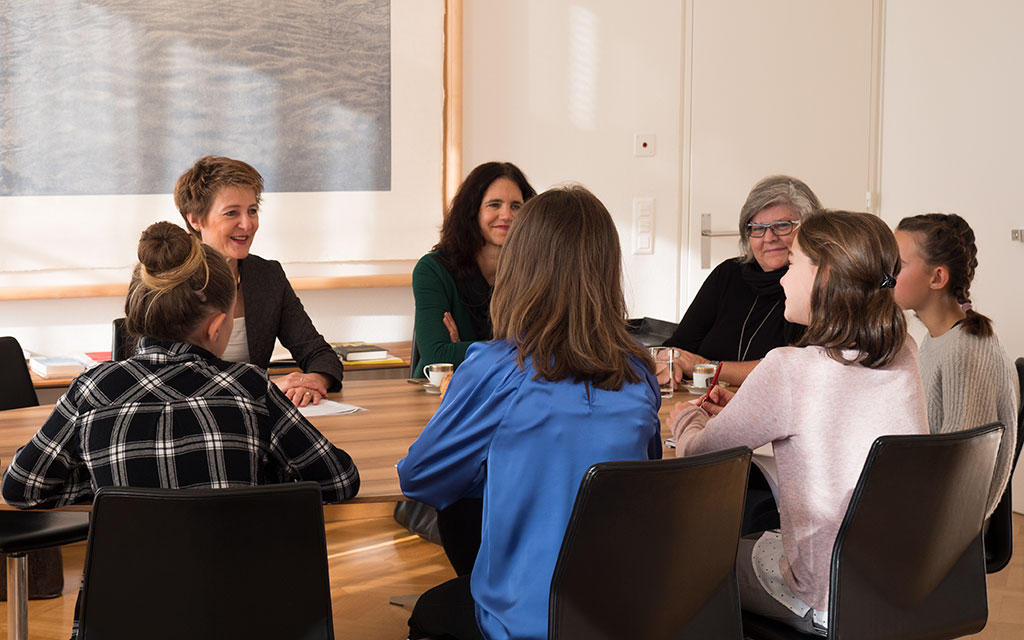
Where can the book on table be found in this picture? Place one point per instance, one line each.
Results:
(48, 366)
(359, 351)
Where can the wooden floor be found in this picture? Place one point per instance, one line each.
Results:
(372, 558)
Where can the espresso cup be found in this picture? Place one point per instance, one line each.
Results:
(703, 374)
(437, 371)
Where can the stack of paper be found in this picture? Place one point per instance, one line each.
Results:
(329, 408)
(56, 366)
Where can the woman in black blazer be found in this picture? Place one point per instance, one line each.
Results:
(219, 199)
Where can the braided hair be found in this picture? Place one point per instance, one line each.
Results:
(945, 239)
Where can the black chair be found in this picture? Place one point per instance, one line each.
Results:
(650, 551)
(36, 532)
(650, 332)
(414, 356)
(999, 536)
(122, 345)
(202, 564)
(22, 532)
(908, 561)
(16, 389)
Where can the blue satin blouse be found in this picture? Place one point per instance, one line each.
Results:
(523, 445)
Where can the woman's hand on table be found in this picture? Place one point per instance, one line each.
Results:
(683, 364)
(303, 388)
(449, 324)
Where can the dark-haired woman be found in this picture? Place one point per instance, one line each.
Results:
(219, 199)
(453, 283)
(852, 377)
(969, 379)
(561, 387)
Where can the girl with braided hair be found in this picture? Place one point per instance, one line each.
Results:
(968, 378)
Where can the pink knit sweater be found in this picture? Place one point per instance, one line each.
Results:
(821, 417)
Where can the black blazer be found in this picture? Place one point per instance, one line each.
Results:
(273, 311)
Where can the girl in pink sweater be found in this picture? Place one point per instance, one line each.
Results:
(821, 403)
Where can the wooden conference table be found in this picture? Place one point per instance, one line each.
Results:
(401, 350)
(377, 438)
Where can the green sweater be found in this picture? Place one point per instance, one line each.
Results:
(434, 290)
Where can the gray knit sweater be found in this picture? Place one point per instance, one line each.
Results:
(971, 381)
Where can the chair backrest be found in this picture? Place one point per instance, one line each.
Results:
(16, 389)
(908, 561)
(207, 563)
(414, 356)
(122, 345)
(1020, 414)
(650, 550)
(650, 332)
(999, 536)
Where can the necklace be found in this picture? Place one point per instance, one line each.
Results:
(741, 353)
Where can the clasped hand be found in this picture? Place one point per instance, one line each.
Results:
(303, 388)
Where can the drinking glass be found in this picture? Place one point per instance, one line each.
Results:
(663, 361)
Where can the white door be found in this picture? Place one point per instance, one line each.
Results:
(773, 87)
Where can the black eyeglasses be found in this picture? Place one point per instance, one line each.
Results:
(779, 228)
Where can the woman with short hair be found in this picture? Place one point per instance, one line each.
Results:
(737, 317)
(219, 199)
(561, 387)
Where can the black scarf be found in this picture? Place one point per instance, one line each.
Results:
(761, 282)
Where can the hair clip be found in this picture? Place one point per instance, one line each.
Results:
(967, 306)
(888, 282)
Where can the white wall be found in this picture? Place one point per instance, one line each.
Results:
(952, 133)
(69, 240)
(560, 88)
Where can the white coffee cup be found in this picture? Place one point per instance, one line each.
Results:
(437, 371)
(703, 374)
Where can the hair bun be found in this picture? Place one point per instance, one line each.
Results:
(170, 257)
(164, 246)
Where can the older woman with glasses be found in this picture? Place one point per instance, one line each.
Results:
(736, 317)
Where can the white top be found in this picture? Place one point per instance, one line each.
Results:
(238, 344)
(968, 382)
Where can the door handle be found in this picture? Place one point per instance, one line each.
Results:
(705, 239)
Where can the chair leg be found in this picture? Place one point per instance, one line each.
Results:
(17, 596)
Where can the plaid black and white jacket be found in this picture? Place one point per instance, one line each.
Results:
(173, 416)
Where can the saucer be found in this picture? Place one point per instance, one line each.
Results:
(702, 390)
(432, 389)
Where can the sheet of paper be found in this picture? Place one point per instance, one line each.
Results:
(329, 408)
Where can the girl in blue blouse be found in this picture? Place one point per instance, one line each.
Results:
(561, 387)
